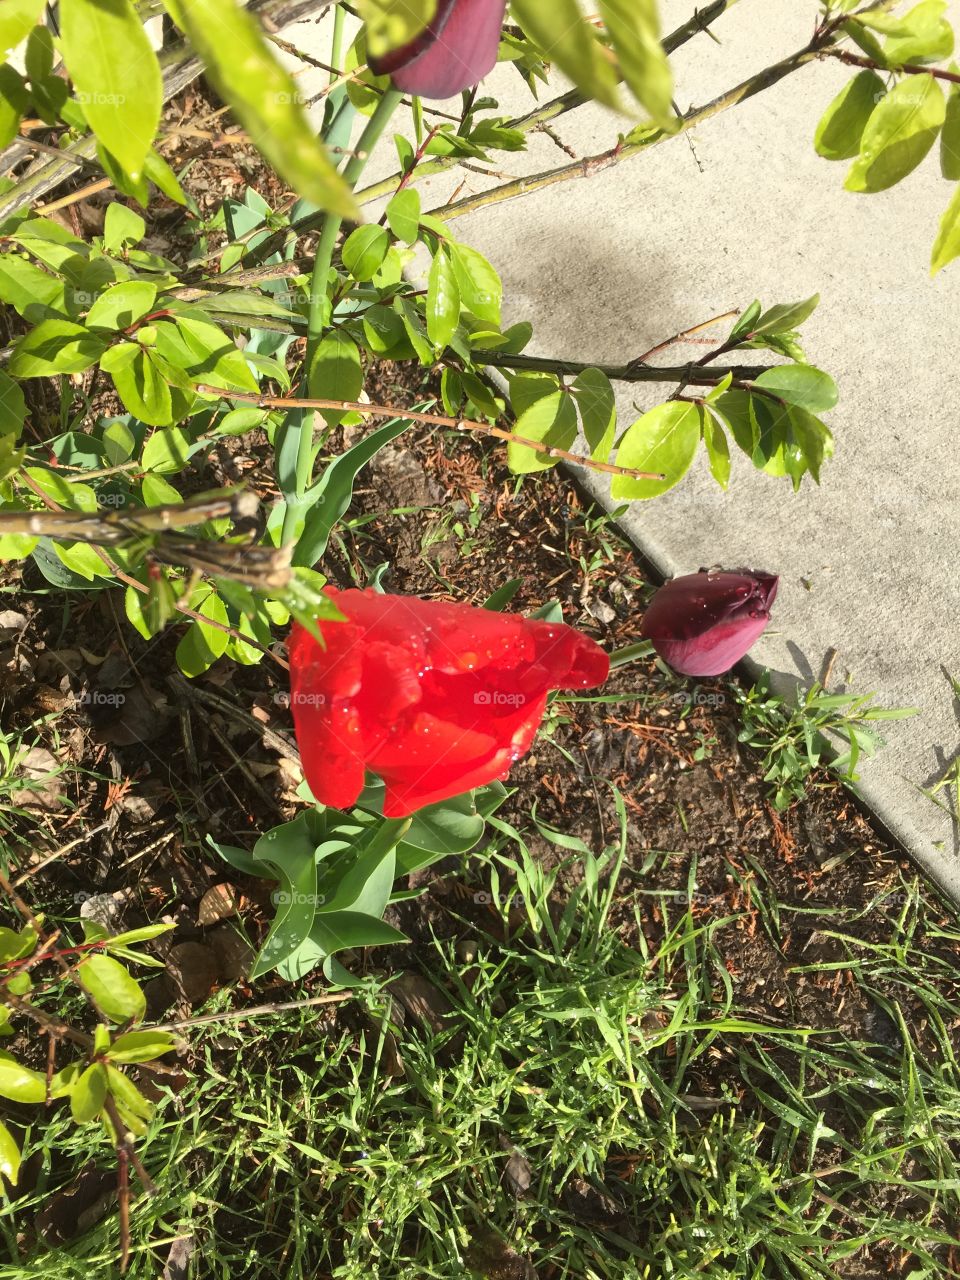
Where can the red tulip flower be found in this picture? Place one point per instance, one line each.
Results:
(453, 52)
(703, 623)
(436, 698)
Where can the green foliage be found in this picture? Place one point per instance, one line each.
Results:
(116, 76)
(118, 92)
(841, 127)
(562, 35)
(665, 439)
(920, 35)
(181, 376)
(545, 412)
(771, 418)
(17, 19)
(264, 97)
(818, 730)
(96, 1087)
(891, 127)
(336, 872)
(902, 128)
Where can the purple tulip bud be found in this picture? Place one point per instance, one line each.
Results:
(453, 52)
(703, 623)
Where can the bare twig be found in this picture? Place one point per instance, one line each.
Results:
(270, 737)
(433, 419)
(102, 184)
(682, 336)
(235, 1015)
(858, 60)
(145, 590)
(624, 150)
(58, 853)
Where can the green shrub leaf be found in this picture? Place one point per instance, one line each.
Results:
(116, 75)
(480, 288)
(17, 19)
(89, 1093)
(634, 28)
(364, 250)
(950, 137)
(55, 346)
(800, 384)
(335, 372)
(901, 130)
(141, 1046)
(443, 299)
(946, 247)
(552, 419)
(19, 1083)
(598, 411)
(115, 993)
(665, 439)
(566, 38)
(122, 305)
(9, 1155)
(201, 644)
(841, 126)
(403, 215)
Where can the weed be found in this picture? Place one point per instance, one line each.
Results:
(798, 738)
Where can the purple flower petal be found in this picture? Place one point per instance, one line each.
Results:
(703, 623)
(453, 52)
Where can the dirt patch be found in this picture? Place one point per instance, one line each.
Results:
(148, 765)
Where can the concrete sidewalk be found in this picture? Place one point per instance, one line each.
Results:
(741, 208)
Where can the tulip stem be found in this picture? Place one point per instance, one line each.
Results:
(300, 421)
(336, 42)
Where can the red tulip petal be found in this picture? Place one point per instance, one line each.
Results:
(465, 640)
(331, 750)
(572, 660)
(390, 687)
(430, 742)
(409, 790)
(437, 698)
(333, 667)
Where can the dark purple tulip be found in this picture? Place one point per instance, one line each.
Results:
(453, 52)
(703, 623)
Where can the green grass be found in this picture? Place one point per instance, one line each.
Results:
(665, 1132)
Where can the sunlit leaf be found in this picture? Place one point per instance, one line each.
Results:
(664, 440)
(116, 75)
